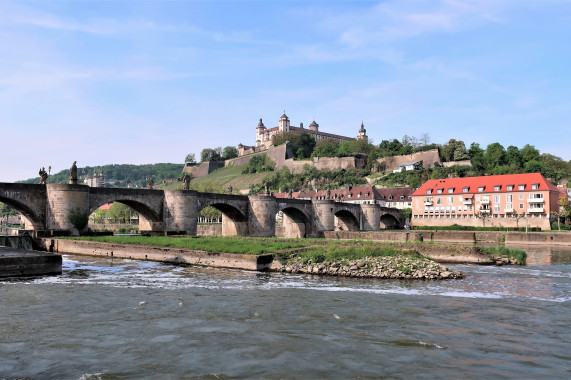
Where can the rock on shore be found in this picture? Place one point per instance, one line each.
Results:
(377, 267)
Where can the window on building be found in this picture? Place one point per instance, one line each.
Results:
(438, 201)
(428, 191)
(439, 191)
(471, 208)
(536, 196)
(534, 186)
(497, 188)
(509, 206)
(451, 190)
(496, 207)
(509, 187)
(465, 189)
(481, 189)
(478, 197)
(453, 209)
(426, 210)
(521, 187)
(450, 200)
(509, 198)
(496, 199)
(521, 206)
(442, 209)
(521, 197)
(402, 197)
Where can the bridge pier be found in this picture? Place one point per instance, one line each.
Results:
(261, 215)
(325, 215)
(67, 207)
(181, 211)
(371, 217)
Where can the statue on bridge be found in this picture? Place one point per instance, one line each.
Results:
(230, 188)
(73, 174)
(267, 188)
(150, 183)
(186, 181)
(43, 176)
(290, 194)
(328, 194)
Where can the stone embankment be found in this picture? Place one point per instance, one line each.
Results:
(378, 267)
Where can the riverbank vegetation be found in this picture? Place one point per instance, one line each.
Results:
(517, 254)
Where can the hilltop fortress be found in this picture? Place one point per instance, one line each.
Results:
(265, 136)
(282, 155)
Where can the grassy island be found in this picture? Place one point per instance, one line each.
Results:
(353, 258)
(316, 256)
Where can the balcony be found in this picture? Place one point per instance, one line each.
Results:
(536, 210)
(535, 200)
(485, 211)
(508, 210)
(428, 203)
(485, 201)
(468, 201)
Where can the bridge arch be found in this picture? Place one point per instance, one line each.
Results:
(234, 220)
(32, 220)
(296, 223)
(29, 200)
(346, 220)
(148, 203)
(389, 221)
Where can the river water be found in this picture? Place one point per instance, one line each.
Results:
(123, 319)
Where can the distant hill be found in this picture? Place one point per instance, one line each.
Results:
(120, 175)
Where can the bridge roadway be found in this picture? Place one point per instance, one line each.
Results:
(62, 207)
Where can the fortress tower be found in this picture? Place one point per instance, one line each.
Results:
(362, 133)
(284, 125)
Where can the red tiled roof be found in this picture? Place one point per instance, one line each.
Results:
(106, 206)
(367, 193)
(396, 192)
(489, 182)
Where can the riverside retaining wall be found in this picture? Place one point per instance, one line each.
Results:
(156, 253)
(463, 237)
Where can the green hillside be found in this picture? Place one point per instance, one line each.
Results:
(219, 180)
(120, 175)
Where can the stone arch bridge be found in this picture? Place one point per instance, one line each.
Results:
(51, 207)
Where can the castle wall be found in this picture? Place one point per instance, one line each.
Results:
(457, 163)
(203, 169)
(428, 159)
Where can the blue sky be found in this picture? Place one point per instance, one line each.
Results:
(145, 82)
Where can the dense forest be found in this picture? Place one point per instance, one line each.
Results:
(121, 175)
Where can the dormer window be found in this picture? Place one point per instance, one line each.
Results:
(481, 189)
(429, 191)
(359, 195)
(465, 189)
(521, 187)
(509, 187)
(534, 186)
(439, 191)
(450, 190)
(497, 188)
(402, 197)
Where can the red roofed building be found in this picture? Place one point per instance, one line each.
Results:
(357, 194)
(513, 200)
